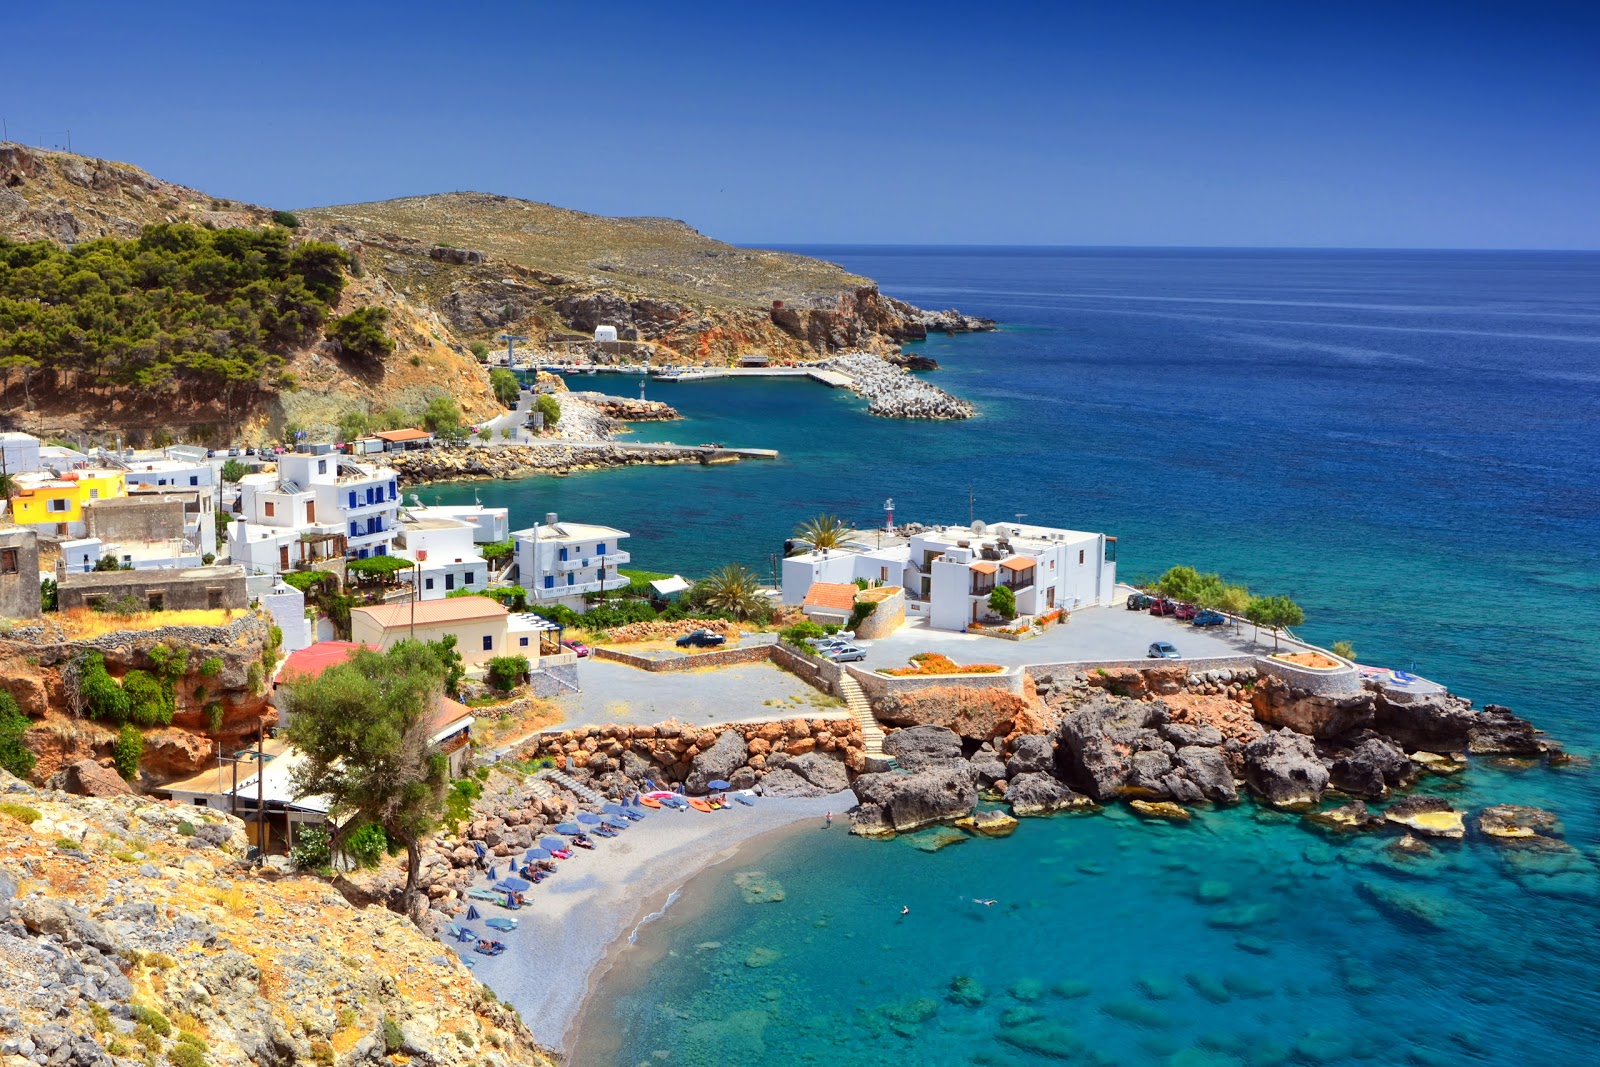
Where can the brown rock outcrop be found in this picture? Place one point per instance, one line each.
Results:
(975, 714)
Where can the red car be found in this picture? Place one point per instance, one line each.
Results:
(576, 646)
(1184, 612)
(1163, 606)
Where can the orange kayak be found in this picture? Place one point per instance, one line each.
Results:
(650, 802)
(699, 805)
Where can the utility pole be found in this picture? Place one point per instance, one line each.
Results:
(261, 794)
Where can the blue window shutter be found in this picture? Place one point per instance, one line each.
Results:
(549, 581)
(488, 643)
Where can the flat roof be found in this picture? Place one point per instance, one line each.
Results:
(429, 612)
(576, 531)
(410, 434)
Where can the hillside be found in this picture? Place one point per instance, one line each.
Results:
(132, 931)
(69, 200)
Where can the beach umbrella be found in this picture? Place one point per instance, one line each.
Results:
(516, 885)
(494, 873)
(613, 809)
(529, 855)
(554, 844)
(616, 824)
(538, 854)
(588, 817)
(497, 923)
(482, 851)
(718, 783)
(569, 828)
(472, 913)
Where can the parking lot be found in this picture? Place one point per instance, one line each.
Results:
(1091, 634)
(613, 692)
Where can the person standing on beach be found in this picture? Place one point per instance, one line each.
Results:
(829, 824)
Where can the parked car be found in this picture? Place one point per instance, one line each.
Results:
(1210, 618)
(1163, 606)
(1185, 612)
(1139, 601)
(701, 639)
(847, 654)
(1163, 650)
(576, 646)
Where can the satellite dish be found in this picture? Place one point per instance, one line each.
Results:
(978, 526)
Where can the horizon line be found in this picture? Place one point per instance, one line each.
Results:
(972, 245)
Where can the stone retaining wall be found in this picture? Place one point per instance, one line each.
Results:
(671, 747)
(1193, 666)
(1336, 684)
(726, 657)
(878, 686)
(815, 672)
(547, 682)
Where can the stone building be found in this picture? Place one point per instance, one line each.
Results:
(166, 589)
(19, 572)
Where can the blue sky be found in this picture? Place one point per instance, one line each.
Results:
(1347, 124)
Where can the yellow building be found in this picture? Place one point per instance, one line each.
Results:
(41, 498)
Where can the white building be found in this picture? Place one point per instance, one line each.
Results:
(949, 572)
(558, 562)
(489, 524)
(444, 552)
(317, 505)
(19, 452)
(81, 554)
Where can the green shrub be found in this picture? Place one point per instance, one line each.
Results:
(255, 678)
(800, 632)
(186, 829)
(442, 417)
(286, 219)
(506, 388)
(322, 1053)
(149, 702)
(14, 755)
(859, 613)
(479, 350)
(214, 716)
(100, 1016)
(151, 1018)
(393, 1041)
(465, 1038)
(21, 812)
(127, 751)
(367, 845)
(458, 801)
(505, 673)
(312, 850)
(211, 666)
(360, 333)
(103, 697)
(183, 1054)
(69, 844)
(1003, 602)
(233, 470)
(145, 1034)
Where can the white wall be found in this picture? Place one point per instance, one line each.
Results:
(949, 592)
(287, 606)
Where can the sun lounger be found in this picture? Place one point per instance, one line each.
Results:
(745, 798)
(486, 894)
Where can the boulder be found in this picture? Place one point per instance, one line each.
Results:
(1511, 822)
(1096, 742)
(1182, 734)
(988, 823)
(1040, 794)
(1371, 769)
(1276, 703)
(825, 772)
(894, 803)
(726, 755)
(988, 765)
(1346, 817)
(1428, 816)
(921, 747)
(1283, 769)
(1207, 770)
(1160, 809)
(1031, 753)
(90, 779)
(975, 714)
(1446, 723)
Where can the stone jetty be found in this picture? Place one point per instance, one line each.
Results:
(895, 393)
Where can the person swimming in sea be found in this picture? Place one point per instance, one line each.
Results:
(905, 909)
(985, 903)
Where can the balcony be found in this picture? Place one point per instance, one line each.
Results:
(609, 560)
(578, 589)
(367, 540)
(361, 507)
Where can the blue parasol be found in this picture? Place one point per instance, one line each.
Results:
(516, 885)
(472, 913)
(538, 854)
(497, 923)
(718, 783)
(616, 824)
(482, 852)
(588, 818)
(613, 809)
(569, 828)
(552, 843)
(494, 873)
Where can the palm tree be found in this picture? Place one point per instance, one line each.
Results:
(824, 531)
(733, 589)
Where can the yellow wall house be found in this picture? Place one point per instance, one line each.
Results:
(480, 626)
(42, 499)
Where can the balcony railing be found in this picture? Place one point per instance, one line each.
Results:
(578, 588)
(577, 563)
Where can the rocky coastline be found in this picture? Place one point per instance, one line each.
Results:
(555, 457)
(895, 393)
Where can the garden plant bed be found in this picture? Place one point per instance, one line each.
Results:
(926, 664)
(1315, 661)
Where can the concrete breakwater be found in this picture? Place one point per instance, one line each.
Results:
(895, 393)
(556, 457)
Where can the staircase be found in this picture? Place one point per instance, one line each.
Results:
(855, 699)
(572, 785)
(541, 789)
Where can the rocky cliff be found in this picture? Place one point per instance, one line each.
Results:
(133, 932)
(69, 199)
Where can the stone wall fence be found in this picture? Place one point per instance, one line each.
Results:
(725, 657)
(878, 686)
(1344, 682)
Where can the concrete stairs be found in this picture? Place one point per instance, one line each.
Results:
(855, 699)
(572, 785)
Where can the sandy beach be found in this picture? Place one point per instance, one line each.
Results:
(598, 898)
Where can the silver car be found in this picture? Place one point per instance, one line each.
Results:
(846, 653)
(1163, 650)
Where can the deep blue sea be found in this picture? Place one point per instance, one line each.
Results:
(1405, 442)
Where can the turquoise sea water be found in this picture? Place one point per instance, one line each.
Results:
(1404, 442)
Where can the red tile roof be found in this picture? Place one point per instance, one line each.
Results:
(312, 661)
(397, 436)
(449, 711)
(832, 595)
(1018, 563)
(450, 609)
(983, 567)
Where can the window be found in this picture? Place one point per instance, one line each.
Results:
(522, 642)
(1080, 557)
(468, 579)
(549, 581)
(213, 598)
(194, 479)
(563, 554)
(883, 574)
(8, 561)
(449, 581)
(60, 504)
(488, 643)
(600, 549)
(157, 601)
(199, 802)
(94, 494)
(272, 509)
(322, 466)
(427, 583)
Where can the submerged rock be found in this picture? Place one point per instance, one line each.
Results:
(1437, 763)
(1506, 822)
(935, 838)
(1346, 817)
(1044, 1037)
(759, 887)
(988, 823)
(967, 991)
(1160, 809)
(1429, 816)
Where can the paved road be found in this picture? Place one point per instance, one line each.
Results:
(743, 692)
(1091, 634)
